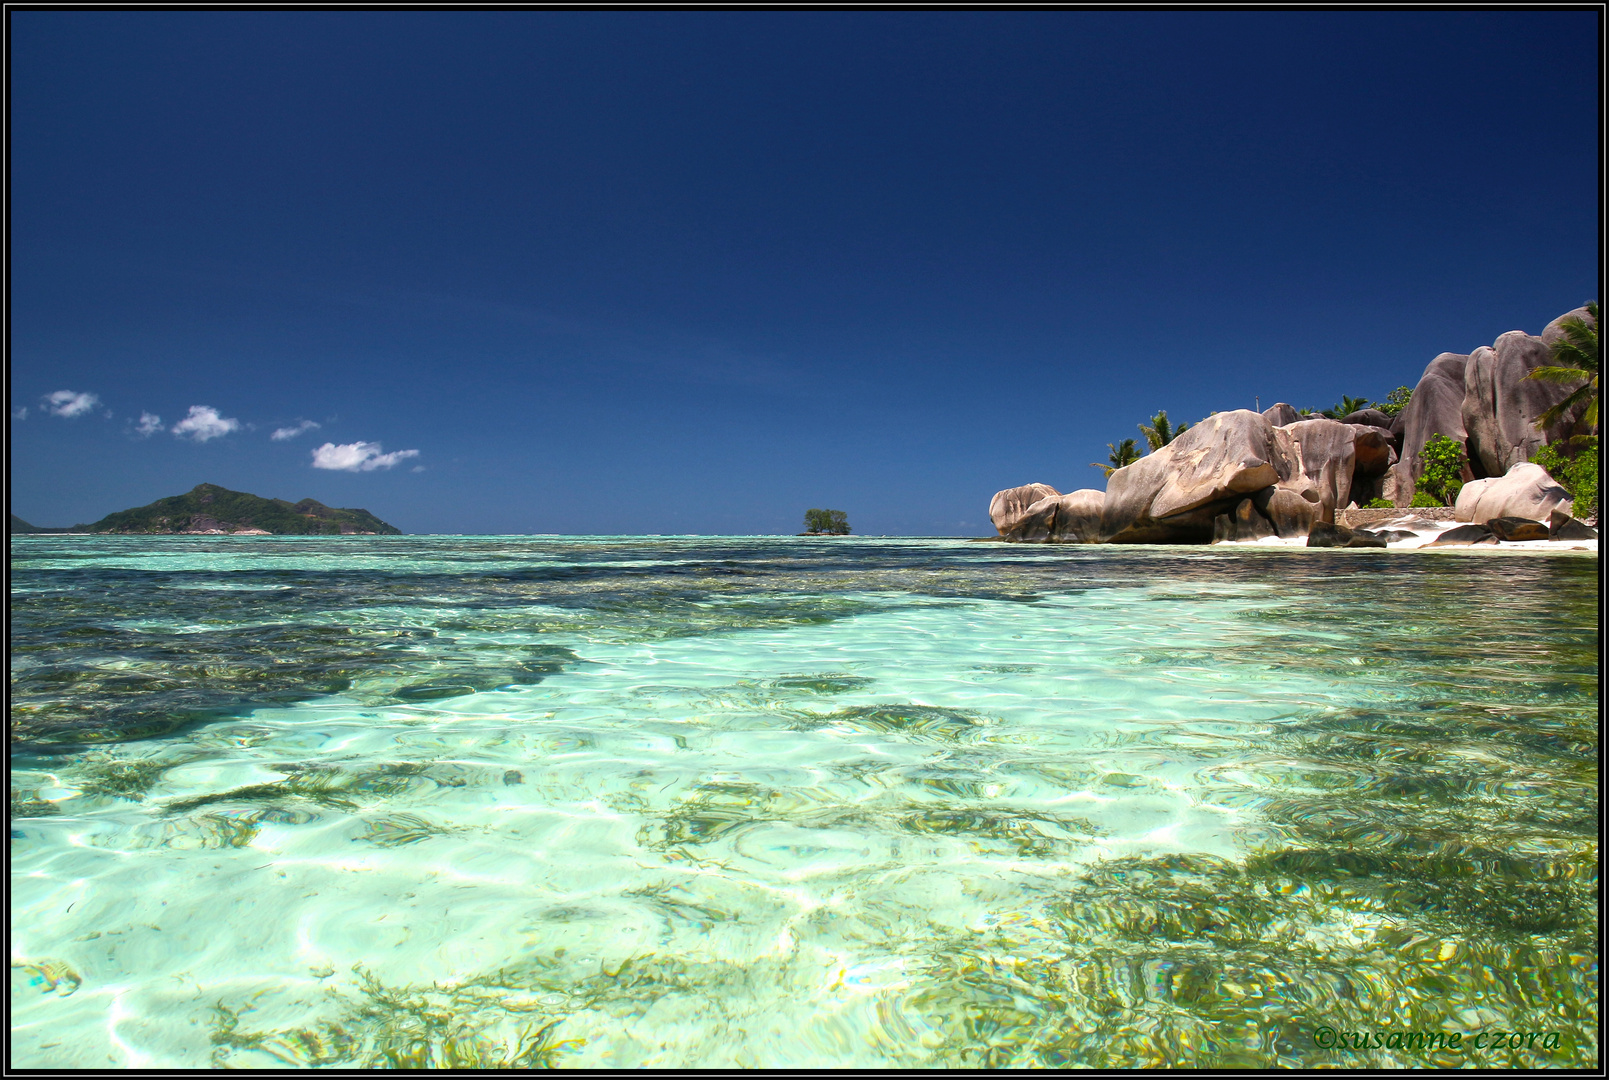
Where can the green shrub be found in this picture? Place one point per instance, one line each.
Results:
(831, 522)
(1420, 498)
(1395, 401)
(1444, 460)
(1378, 504)
(1574, 464)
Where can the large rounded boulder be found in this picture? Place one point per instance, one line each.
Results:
(1501, 405)
(1436, 408)
(1554, 331)
(1525, 491)
(1369, 417)
(1316, 460)
(1007, 508)
(1281, 414)
(1174, 494)
(1074, 518)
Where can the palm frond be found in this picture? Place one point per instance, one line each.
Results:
(1561, 374)
(1586, 393)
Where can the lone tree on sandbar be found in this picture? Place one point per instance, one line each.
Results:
(831, 522)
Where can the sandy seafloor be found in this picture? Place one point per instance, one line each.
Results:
(677, 802)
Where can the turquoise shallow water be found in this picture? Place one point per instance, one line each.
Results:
(768, 801)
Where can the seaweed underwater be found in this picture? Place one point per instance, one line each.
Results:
(806, 860)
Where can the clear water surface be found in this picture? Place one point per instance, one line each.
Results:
(777, 802)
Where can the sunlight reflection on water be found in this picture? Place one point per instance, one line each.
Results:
(621, 802)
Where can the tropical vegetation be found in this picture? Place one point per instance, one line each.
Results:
(1444, 460)
(1122, 454)
(1574, 464)
(1159, 432)
(210, 506)
(1346, 407)
(830, 522)
(1395, 401)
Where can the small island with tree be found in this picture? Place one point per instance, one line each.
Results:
(826, 523)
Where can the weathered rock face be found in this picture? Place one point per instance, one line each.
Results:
(1436, 408)
(1372, 450)
(1246, 523)
(1464, 535)
(1501, 405)
(1007, 507)
(1281, 414)
(1368, 417)
(1316, 459)
(1074, 518)
(1173, 494)
(1552, 332)
(1373, 457)
(1516, 528)
(1561, 526)
(1525, 491)
(1290, 514)
(1329, 535)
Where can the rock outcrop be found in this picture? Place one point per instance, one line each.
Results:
(1369, 418)
(1291, 514)
(1246, 523)
(1515, 529)
(1074, 518)
(1436, 408)
(1561, 526)
(1281, 414)
(1244, 475)
(1173, 494)
(1525, 491)
(1007, 508)
(1464, 535)
(1501, 405)
(1315, 459)
(1328, 535)
(1373, 455)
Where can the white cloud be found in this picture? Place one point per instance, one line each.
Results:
(204, 423)
(281, 434)
(150, 423)
(69, 403)
(20, 413)
(357, 457)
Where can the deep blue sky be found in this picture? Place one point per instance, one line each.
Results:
(672, 272)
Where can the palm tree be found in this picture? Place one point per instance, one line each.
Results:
(1347, 407)
(1159, 432)
(1123, 454)
(1575, 357)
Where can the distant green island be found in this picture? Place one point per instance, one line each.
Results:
(208, 509)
